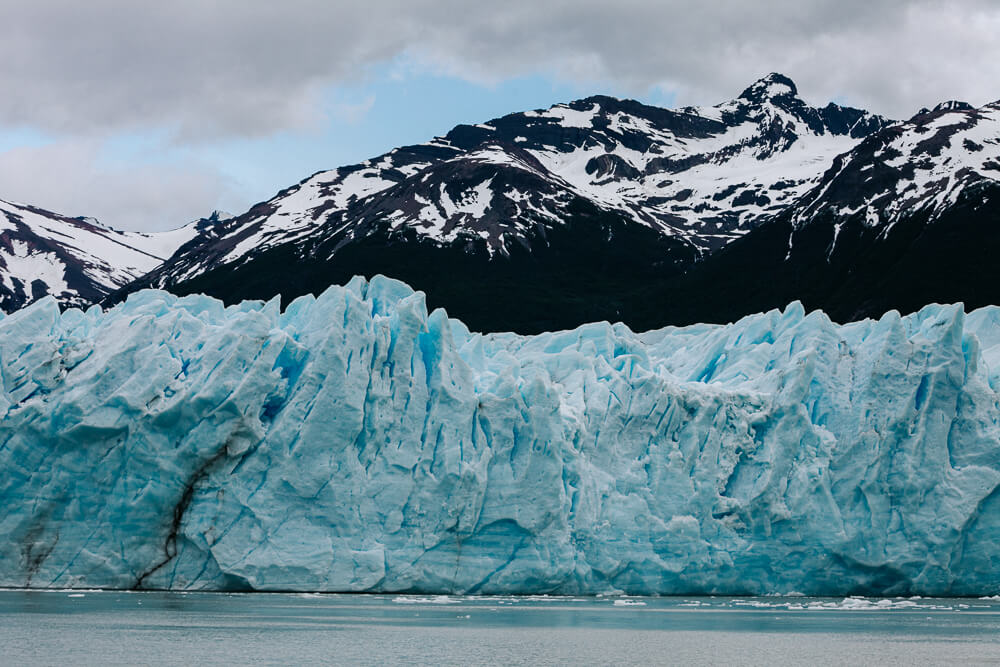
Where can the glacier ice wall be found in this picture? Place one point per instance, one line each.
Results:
(355, 443)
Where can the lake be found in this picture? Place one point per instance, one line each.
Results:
(110, 627)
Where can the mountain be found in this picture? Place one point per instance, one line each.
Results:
(536, 220)
(77, 260)
(910, 216)
(605, 209)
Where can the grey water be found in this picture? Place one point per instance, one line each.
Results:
(122, 628)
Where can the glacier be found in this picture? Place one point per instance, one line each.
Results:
(355, 442)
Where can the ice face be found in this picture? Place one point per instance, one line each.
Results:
(355, 443)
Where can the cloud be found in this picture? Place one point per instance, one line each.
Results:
(892, 56)
(207, 69)
(353, 112)
(76, 177)
(204, 75)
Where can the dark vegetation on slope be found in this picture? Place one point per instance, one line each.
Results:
(600, 267)
(584, 270)
(953, 258)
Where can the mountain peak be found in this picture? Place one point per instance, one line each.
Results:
(93, 222)
(219, 215)
(770, 87)
(953, 105)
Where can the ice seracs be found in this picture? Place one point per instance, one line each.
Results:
(356, 442)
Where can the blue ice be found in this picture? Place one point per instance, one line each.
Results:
(354, 442)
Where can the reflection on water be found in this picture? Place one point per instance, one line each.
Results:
(93, 627)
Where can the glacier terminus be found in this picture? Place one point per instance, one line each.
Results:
(355, 442)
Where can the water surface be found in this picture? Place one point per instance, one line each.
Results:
(99, 628)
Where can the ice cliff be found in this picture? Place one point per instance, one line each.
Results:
(355, 443)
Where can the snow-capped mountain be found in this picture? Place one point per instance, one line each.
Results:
(704, 174)
(910, 216)
(514, 199)
(920, 166)
(597, 209)
(77, 260)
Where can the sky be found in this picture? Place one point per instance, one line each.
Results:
(146, 115)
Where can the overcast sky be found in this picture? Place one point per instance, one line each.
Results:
(147, 115)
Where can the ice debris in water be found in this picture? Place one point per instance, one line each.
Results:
(355, 442)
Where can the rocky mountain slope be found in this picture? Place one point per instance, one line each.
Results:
(911, 216)
(77, 260)
(539, 219)
(606, 209)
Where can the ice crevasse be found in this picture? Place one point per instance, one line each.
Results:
(354, 442)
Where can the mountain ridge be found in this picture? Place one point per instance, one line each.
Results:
(697, 178)
(76, 259)
(611, 209)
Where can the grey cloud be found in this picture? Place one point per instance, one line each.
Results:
(201, 71)
(236, 68)
(199, 68)
(74, 177)
(892, 56)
